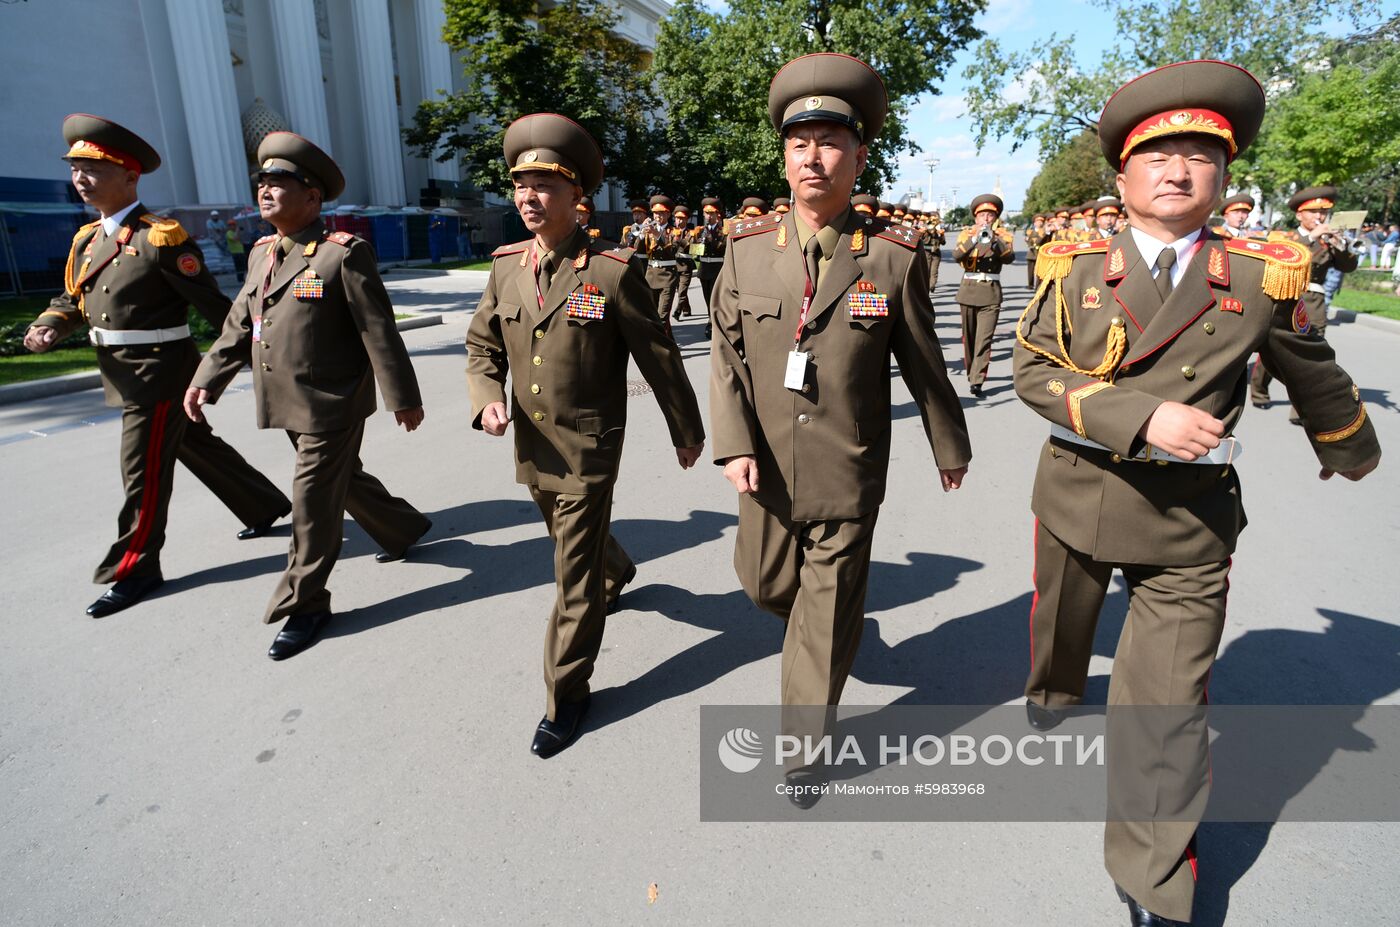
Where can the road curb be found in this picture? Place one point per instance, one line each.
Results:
(1368, 320)
(91, 379)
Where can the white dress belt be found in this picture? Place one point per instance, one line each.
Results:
(982, 278)
(109, 338)
(712, 260)
(1317, 288)
(1227, 453)
(661, 263)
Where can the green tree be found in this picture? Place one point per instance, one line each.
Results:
(1074, 174)
(1338, 122)
(957, 216)
(523, 56)
(713, 70)
(1046, 95)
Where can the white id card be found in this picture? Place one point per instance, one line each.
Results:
(796, 376)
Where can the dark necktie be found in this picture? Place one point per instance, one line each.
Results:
(812, 253)
(1165, 259)
(544, 275)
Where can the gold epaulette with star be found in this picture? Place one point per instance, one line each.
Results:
(898, 233)
(618, 253)
(164, 232)
(516, 248)
(1287, 264)
(1055, 258)
(756, 226)
(340, 238)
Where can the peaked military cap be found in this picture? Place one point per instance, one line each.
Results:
(1107, 204)
(831, 88)
(1320, 198)
(1238, 201)
(987, 202)
(662, 203)
(864, 202)
(637, 204)
(755, 202)
(289, 154)
(711, 204)
(98, 139)
(682, 210)
(585, 205)
(781, 203)
(550, 142)
(1212, 98)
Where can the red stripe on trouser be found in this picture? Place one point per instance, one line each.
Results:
(150, 495)
(1035, 588)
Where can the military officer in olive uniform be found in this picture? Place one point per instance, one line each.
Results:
(585, 219)
(1036, 236)
(1136, 351)
(1106, 212)
(660, 244)
(315, 323)
(1236, 210)
(561, 317)
(802, 423)
(685, 264)
(634, 231)
(711, 235)
(132, 276)
(934, 240)
(1327, 249)
(982, 250)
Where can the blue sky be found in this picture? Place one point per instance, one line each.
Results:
(938, 125)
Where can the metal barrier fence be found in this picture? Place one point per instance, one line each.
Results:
(35, 241)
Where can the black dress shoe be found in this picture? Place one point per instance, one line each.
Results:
(1258, 405)
(553, 736)
(805, 787)
(976, 390)
(257, 531)
(124, 594)
(709, 331)
(627, 577)
(385, 557)
(1042, 718)
(1138, 916)
(298, 633)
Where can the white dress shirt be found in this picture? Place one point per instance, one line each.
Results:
(111, 223)
(1150, 247)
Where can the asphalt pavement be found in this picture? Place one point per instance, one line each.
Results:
(157, 768)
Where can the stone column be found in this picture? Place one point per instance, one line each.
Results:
(299, 66)
(435, 61)
(205, 69)
(375, 56)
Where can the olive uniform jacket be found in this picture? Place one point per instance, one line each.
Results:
(569, 389)
(1323, 257)
(1034, 239)
(823, 452)
(317, 330)
(982, 259)
(145, 277)
(1125, 352)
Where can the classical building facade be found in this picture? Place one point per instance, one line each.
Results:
(204, 79)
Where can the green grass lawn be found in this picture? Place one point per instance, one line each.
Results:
(1365, 301)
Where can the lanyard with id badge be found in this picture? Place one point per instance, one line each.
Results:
(796, 376)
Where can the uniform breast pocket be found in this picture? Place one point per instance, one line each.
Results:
(760, 307)
(508, 311)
